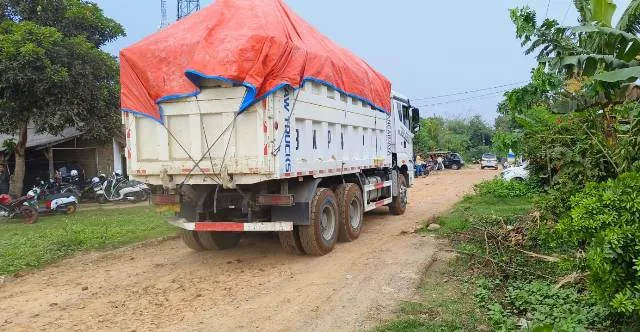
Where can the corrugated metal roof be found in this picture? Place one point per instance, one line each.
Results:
(35, 140)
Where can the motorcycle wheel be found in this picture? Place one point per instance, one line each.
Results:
(29, 214)
(102, 199)
(71, 209)
(141, 197)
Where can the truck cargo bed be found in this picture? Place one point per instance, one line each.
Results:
(314, 131)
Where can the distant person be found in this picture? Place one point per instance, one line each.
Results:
(440, 163)
(4, 180)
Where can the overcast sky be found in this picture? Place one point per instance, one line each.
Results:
(426, 48)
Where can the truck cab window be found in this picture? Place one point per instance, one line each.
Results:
(406, 117)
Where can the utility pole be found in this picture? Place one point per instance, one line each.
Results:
(187, 7)
(164, 22)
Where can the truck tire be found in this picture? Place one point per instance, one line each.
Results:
(206, 240)
(190, 238)
(399, 204)
(351, 208)
(226, 241)
(320, 237)
(290, 241)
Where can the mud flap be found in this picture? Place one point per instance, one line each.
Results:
(395, 191)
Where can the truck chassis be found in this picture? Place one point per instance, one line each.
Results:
(309, 214)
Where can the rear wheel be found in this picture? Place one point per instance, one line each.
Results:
(141, 197)
(320, 237)
(218, 240)
(190, 238)
(71, 209)
(351, 208)
(290, 241)
(226, 240)
(29, 214)
(399, 204)
(102, 199)
(455, 167)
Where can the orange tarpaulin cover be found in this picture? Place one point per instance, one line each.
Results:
(260, 44)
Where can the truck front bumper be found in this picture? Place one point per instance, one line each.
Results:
(231, 226)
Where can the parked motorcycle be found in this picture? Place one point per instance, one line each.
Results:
(25, 207)
(119, 188)
(87, 190)
(65, 203)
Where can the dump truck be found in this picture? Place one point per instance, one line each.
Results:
(305, 157)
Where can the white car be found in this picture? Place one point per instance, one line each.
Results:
(489, 160)
(519, 173)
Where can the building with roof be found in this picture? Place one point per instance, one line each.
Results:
(71, 149)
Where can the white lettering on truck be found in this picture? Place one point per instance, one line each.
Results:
(288, 164)
(389, 135)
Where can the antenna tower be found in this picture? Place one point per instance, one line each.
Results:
(163, 10)
(187, 7)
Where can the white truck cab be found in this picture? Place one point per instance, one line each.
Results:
(405, 117)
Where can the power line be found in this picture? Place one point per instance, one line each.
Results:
(470, 91)
(546, 14)
(566, 13)
(464, 99)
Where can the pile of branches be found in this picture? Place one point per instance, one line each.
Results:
(508, 248)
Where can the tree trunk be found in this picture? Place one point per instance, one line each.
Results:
(17, 179)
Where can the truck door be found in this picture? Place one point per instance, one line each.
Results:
(403, 137)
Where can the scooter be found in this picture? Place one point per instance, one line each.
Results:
(65, 203)
(25, 207)
(118, 188)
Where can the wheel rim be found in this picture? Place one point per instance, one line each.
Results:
(28, 215)
(328, 222)
(355, 214)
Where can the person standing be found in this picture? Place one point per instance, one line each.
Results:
(4, 180)
(419, 166)
(440, 163)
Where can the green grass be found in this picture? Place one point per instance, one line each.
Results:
(444, 303)
(24, 247)
(473, 207)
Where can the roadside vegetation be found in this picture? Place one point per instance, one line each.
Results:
(560, 253)
(509, 272)
(25, 247)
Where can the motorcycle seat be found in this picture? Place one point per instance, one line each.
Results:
(58, 195)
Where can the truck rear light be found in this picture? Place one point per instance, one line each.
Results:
(275, 200)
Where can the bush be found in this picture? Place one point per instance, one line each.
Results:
(507, 189)
(539, 304)
(556, 202)
(605, 219)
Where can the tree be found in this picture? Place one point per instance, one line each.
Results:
(469, 137)
(596, 59)
(53, 74)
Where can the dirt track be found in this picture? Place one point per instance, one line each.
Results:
(164, 286)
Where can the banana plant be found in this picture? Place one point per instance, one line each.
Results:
(604, 60)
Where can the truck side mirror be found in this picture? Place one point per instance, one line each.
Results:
(415, 119)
